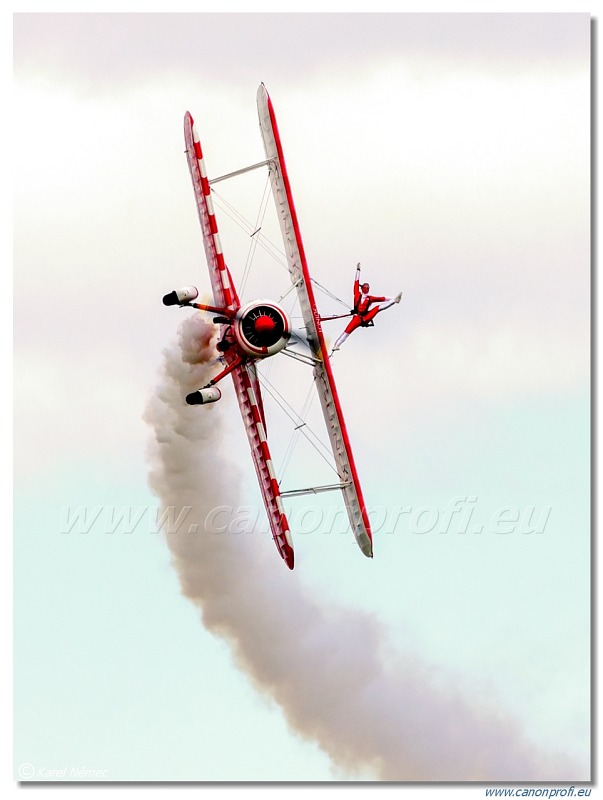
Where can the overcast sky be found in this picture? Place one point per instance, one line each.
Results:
(447, 153)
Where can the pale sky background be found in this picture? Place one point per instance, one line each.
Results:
(450, 155)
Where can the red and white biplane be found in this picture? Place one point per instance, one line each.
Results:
(256, 330)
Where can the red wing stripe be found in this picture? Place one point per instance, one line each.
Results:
(224, 295)
(248, 403)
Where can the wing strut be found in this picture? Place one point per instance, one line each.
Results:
(237, 172)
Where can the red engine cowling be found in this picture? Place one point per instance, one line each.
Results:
(261, 329)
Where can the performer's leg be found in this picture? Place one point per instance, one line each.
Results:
(351, 327)
(381, 307)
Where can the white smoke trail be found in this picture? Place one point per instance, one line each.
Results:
(327, 668)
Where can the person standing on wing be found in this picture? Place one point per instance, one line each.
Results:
(363, 314)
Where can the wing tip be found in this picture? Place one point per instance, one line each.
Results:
(366, 545)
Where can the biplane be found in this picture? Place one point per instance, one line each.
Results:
(260, 329)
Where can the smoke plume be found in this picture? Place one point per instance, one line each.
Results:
(330, 670)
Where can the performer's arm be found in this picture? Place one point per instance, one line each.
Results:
(357, 285)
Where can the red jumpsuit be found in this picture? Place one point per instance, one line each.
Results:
(363, 314)
(362, 303)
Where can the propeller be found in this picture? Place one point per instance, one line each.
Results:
(262, 326)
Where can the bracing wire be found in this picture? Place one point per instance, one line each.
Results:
(299, 422)
(257, 238)
(274, 252)
(295, 436)
(263, 241)
(330, 294)
(254, 235)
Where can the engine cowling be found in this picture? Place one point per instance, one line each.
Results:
(179, 296)
(261, 329)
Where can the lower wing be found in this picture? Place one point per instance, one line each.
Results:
(250, 402)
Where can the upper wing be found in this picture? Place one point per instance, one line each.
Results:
(250, 402)
(323, 373)
(223, 289)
